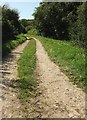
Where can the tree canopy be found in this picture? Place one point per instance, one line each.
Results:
(61, 20)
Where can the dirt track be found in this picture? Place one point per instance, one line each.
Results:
(11, 107)
(58, 98)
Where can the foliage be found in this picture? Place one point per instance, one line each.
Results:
(51, 19)
(32, 32)
(28, 24)
(8, 46)
(26, 66)
(10, 23)
(70, 58)
(62, 20)
(78, 28)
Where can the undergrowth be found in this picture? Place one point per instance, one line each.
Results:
(7, 47)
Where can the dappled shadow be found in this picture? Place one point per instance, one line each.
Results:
(8, 83)
(16, 84)
(9, 57)
(6, 87)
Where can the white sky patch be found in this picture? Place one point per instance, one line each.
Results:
(25, 9)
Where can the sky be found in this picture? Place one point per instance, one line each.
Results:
(25, 9)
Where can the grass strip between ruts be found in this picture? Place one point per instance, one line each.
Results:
(26, 67)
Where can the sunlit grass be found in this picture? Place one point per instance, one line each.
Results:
(70, 58)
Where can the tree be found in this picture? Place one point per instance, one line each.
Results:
(28, 24)
(52, 18)
(10, 23)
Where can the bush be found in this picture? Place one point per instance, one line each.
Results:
(7, 47)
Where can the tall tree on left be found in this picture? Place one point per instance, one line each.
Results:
(10, 23)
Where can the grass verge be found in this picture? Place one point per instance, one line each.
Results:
(70, 58)
(26, 67)
(7, 47)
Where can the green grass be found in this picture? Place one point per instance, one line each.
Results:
(70, 58)
(7, 47)
(26, 67)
